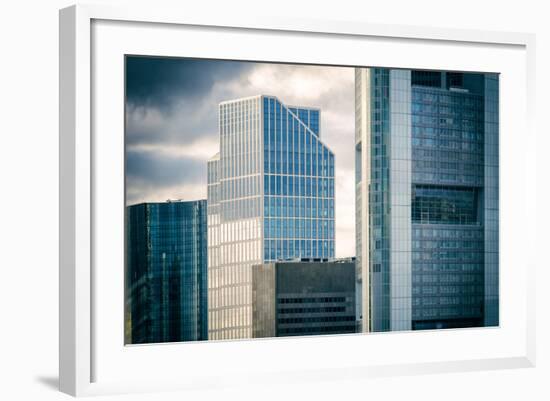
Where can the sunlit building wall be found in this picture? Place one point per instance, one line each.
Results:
(270, 197)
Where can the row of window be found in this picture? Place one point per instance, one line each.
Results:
(292, 161)
(440, 154)
(299, 228)
(233, 165)
(446, 122)
(448, 267)
(289, 185)
(283, 206)
(445, 312)
(467, 101)
(477, 168)
(448, 178)
(448, 300)
(445, 278)
(297, 331)
(284, 249)
(467, 256)
(239, 187)
(240, 208)
(316, 319)
(308, 300)
(442, 290)
(454, 111)
(466, 135)
(442, 143)
(325, 309)
(447, 244)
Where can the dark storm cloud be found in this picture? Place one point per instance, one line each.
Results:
(157, 170)
(159, 82)
(172, 124)
(173, 101)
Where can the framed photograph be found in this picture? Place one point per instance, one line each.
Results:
(264, 199)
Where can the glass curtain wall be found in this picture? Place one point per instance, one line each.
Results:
(298, 184)
(270, 197)
(166, 272)
(427, 144)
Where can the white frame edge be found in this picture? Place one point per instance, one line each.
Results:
(74, 201)
(75, 170)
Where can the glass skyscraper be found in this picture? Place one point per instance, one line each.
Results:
(270, 197)
(426, 198)
(166, 272)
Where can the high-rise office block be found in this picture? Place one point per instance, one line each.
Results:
(298, 298)
(270, 197)
(166, 272)
(427, 198)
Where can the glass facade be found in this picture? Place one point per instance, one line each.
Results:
(428, 153)
(166, 273)
(298, 185)
(270, 197)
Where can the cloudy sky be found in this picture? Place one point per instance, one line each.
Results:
(171, 123)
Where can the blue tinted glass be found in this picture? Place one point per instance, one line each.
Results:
(291, 207)
(284, 166)
(314, 158)
(274, 187)
(273, 206)
(272, 245)
(267, 226)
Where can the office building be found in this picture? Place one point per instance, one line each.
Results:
(426, 198)
(166, 272)
(270, 197)
(303, 297)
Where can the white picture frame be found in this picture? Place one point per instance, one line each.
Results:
(83, 158)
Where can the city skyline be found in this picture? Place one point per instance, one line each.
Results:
(171, 124)
(392, 171)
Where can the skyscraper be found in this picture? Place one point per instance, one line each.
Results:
(166, 272)
(427, 198)
(270, 197)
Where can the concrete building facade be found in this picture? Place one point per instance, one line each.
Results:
(298, 298)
